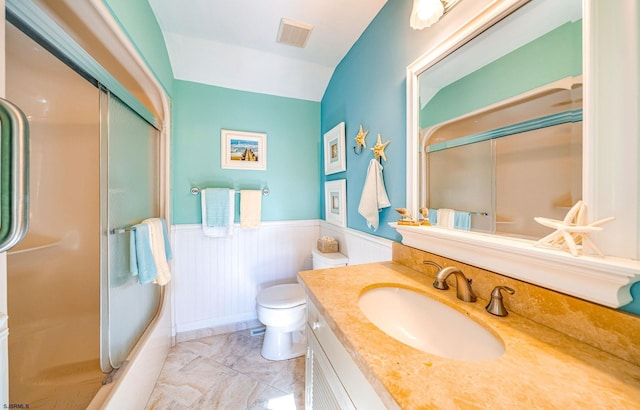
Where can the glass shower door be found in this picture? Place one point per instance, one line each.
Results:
(74, 308)
(53, 274)
(133, 188)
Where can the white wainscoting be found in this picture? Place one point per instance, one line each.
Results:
(358, 246)
(216, 280)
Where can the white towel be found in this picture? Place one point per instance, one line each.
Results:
(156, 233)
(446, 218)
(250, 208)
(218, 231)
(374, 195)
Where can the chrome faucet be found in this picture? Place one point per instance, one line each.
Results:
(463, 285)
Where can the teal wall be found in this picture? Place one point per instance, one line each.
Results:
(368, 87)
(138, 21)
(634, 306)
(553, 56)
(293, 134)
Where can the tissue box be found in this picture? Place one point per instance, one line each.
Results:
(327, 245)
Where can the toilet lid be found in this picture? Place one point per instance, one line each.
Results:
(281, 296)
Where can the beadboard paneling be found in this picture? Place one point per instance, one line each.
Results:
(358, 246)
(216, 280)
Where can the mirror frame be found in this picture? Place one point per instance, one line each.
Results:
(604, 280)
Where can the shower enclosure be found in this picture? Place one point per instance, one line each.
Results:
(75, 311)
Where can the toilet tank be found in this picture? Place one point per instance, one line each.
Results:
(327, 260)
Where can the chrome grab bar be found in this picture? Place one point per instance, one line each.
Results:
(14, 175)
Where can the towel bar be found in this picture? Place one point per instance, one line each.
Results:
(116, 231)
(481, 213)
(122, 229)
(195, 191)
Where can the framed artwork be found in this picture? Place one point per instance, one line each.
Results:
(243, 150)
(334, 154)
(335, 202)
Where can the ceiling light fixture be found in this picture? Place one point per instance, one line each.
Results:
(427, 12)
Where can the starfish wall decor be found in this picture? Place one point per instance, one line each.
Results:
(572, 232)
(360, 140)
(378, 149)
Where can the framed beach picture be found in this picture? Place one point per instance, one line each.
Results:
(335, 202)
(334, 155)
(243, 150)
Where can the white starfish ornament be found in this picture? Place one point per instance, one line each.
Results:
(572, 231)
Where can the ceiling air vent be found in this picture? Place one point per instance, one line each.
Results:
(294, 33)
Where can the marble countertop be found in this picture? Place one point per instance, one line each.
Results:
(541, 368)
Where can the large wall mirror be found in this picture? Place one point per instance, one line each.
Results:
(498, 132)
(511, 149)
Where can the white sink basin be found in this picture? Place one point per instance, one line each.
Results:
(428, 325)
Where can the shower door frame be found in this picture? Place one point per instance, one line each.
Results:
(149, 353)
(4, 352)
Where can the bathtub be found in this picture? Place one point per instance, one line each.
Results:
(133, 384)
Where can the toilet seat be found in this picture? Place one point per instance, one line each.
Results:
(281, 296)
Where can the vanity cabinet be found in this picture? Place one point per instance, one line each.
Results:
(323, 389)
(332, 378)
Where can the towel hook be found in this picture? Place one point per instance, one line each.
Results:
(360, 141)
(378, 149)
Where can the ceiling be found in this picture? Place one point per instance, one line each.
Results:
(232, 43)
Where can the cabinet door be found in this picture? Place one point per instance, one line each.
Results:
(323, 390)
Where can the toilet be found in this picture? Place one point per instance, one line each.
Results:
(282, 309)
(327, 260)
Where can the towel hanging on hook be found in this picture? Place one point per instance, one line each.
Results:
(374, 195)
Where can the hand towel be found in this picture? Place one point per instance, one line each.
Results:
(141, 260)
(217, 206)
(374, 195)
(218, 211)
(158, 249)
(445, 218)
(433, 216)
(462, 220)
(250, 208)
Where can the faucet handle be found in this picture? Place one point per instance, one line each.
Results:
(438, 284)
(432, 263)
(496, 306)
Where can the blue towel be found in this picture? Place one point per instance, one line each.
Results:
(433, 216)
(167, 244)
(141, 259)
(462, 220)
(218, 206)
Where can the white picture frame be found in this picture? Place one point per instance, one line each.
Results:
(335, 202)
(334, 150)
(243, 150)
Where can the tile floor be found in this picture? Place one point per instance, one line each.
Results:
(227, 372)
